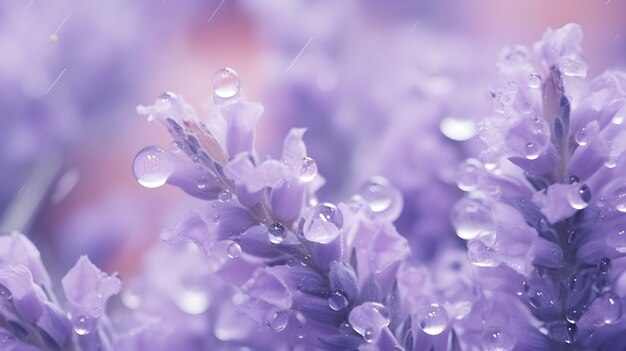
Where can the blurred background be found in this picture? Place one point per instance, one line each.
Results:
(391, 88)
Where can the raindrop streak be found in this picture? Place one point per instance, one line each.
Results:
(337, 301)
(433, 319)
(152, 167)
(323, 223)
(233, 250)
(5, 293)
(82, 325)
(307, 170)
(277, 319)
(276, 233)
(226, 83)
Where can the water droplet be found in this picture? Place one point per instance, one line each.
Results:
(611, 162)
(346, 329)
(617, 238)
(276, 233)
(564, 331)
(369, 335)
(572, 67)
(224, 196)
(337, 301)
(468, 175)
(226, 83)
(433, 319)
(152, 167)
(193, 301)
(620, 199)
(233, 250)
(369, 316)
(307, 170)
(480, 254)
(582, 137)
(7, 339)
(306, 260)
(495, 339)
(5, 293)
(382, 198)
(609, 307)
(82, 325)
(579, 196)
(617, 120)
(537, 125)
(167, 96)
(276, 319)
(534, 80)
(532, 151)
(573, 315)
(540, 298)
(458, 129)
(216, 218)
(323, 223)
(604, 265)
(470, 218)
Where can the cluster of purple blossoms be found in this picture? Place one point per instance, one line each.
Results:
(31, 317)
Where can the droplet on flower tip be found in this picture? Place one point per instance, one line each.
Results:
(337, 301)
(468, 175)
(495, 339)
(532, 151)
(82, 325)
(470, 218)
(323, 223)
(152, 167)
(433, 319)
(226, 83)
(307, 170)
(276, 233)
(224, 196)
(534, 80)
(233, 250)
(276, 319)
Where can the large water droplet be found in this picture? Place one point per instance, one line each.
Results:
(458, 129)
(573, 315)
(233, 250)
(609, 307)
(433, 319)
(468, 175)
(470, 218)
(226, 83)
(582, 137)
(534, 80)
(193, 301)
(307, 170)
(323, 223)
(5, 293)
(579, 196)
(82, 325)
(563, 331)
(276, 233)
(369, 316)
(276, 319)
(532, 151)
(152, 167)
(617, 237)
(337, 300)
(382, 198)
(495, 339)
(224, 196)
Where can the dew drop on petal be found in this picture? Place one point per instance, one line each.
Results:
(276, 233)
(480, 255)
(495, 339)
(579, 196)
(382, 198)
(167, 96)
(572, 67)
(563, 331)
(458, 129)
(152, 167)
(532, 151)
(616, 238)
(224, 196)
(470, 218)
(5, 293)
(323, 223)
(233, 250)
(193, 301)
(307, 170)
(226, 83)
(337, 301)
(369, 316)
(433, 319)
(534, 80)
(582, 137)
(609, 307)
(468, 175)
(540, 298)
(82, 325)
(276, 319)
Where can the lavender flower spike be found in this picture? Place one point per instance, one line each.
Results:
(322, 274)
(545, 216)
(30, 316)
